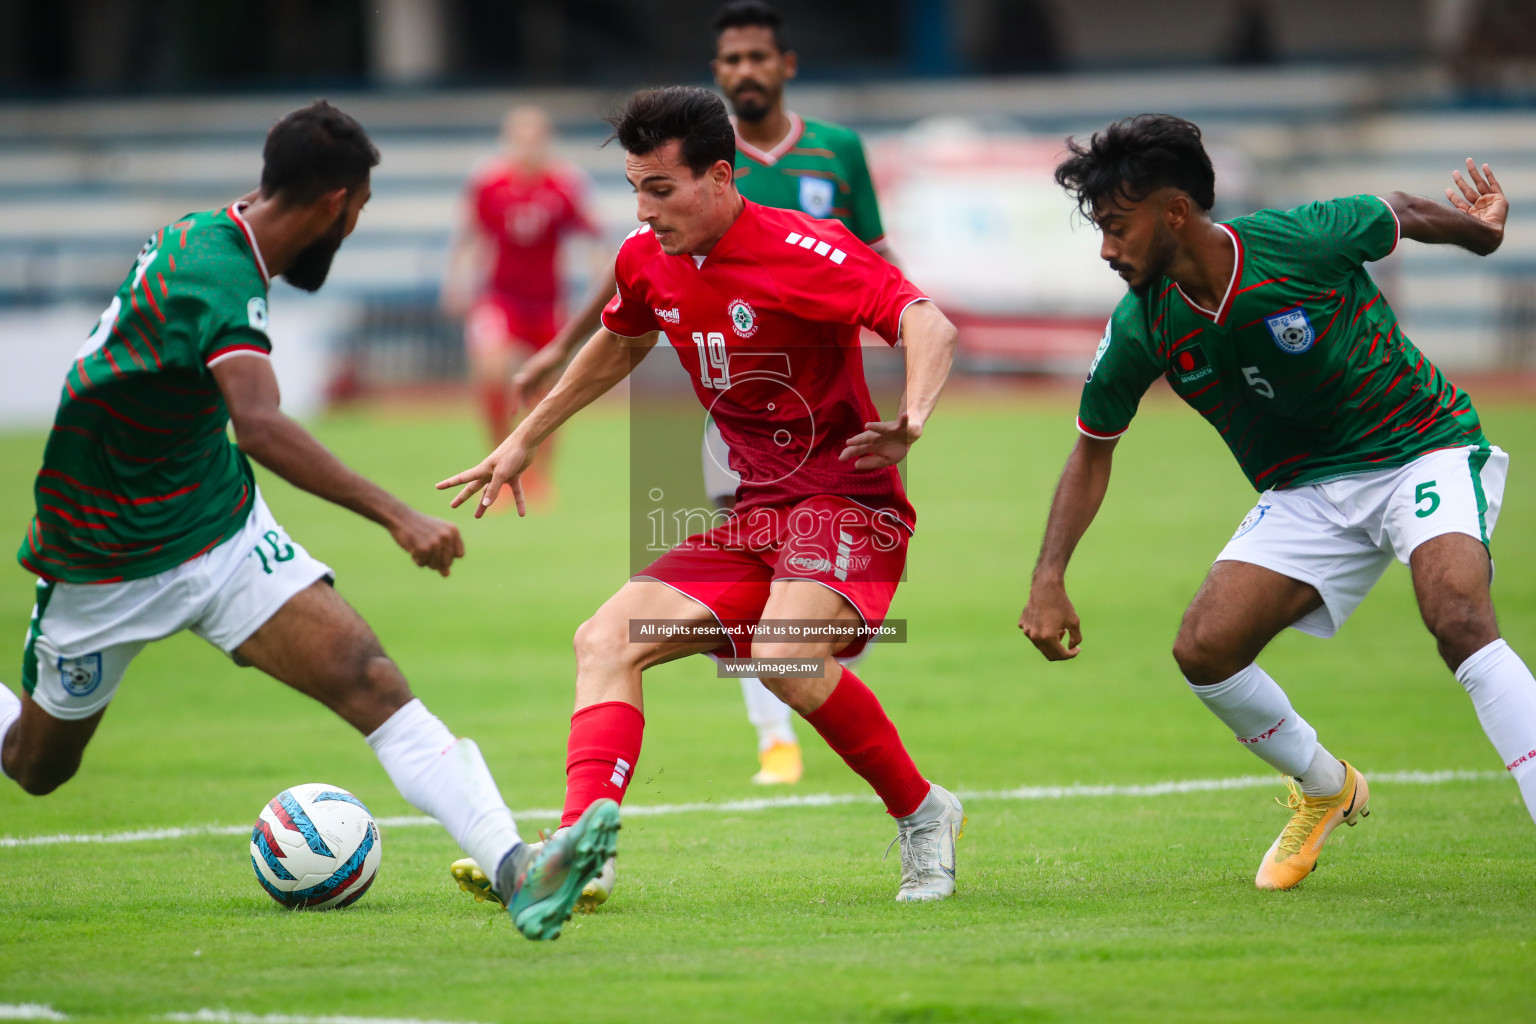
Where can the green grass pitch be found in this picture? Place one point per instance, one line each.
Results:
(1108, 908)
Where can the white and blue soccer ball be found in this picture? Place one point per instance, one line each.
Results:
(315, 847)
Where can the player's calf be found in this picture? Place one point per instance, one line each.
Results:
(319, 645)
(40, 752)
(802, 693)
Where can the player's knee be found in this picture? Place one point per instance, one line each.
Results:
(1202, 657)
(599, 641)
(1461, 627)
(382, 678)
(798, 694)
(378, 688)
(778, 649)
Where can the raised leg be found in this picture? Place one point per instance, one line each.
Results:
(319, 645)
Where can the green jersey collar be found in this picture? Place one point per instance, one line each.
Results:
(235, 210)
(1220, 316)
(771, 156)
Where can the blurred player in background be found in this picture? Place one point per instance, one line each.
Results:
(782, 160)
(1270, 327)
(503, 273)
(149, 520)
(822, 521)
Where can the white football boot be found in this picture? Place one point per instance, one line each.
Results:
(927, 837)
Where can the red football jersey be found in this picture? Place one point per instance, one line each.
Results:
(524, 215)
(767, 327)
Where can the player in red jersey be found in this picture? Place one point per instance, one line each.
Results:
(773, 302)
(782, 160)
(518, 208)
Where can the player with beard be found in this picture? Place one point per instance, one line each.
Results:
(782, 160)
(149, 520)
(1363, 452)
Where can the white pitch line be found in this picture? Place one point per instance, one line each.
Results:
(1027, 793)
(29, 1011)
(206, 1016)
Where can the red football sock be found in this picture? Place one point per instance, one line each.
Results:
(855, 725)
(600, 755)
(493, 403)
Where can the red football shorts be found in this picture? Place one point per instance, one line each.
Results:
(855, 550)
(498, 321)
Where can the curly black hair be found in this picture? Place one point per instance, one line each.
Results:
(1135, 157)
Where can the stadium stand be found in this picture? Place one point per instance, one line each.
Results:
(81, 182)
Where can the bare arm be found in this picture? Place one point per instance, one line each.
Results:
(930, 340)
(462, 270)
(1049, 613)
(265, 433)
(602, 363)
(541, 366)
(1474, 219)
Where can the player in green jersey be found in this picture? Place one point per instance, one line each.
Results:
(149, 520)
(783, 159)
(1271, 328)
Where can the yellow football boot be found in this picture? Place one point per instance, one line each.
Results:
(781, 765)
(1294, 853)
(471, 879)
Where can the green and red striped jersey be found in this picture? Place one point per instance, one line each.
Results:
(139, 473)
(819, 168)
(1303, 369)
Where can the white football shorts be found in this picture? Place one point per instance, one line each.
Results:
(1340, 535)
(83, 635)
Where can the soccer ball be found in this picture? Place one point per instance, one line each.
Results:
(315, 847)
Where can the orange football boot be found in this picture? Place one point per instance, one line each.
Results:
(1294, 853)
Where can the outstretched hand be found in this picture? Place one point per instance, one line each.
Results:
(1479, 195)
(881, 443)
(505, 465)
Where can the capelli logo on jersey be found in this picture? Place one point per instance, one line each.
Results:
(743, 318)
(670, 316)
(256, 313)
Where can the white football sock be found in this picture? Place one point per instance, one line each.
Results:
(10, 711)
(1504, 694)
(771, 716)
(1261, 717)
(446, 778)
